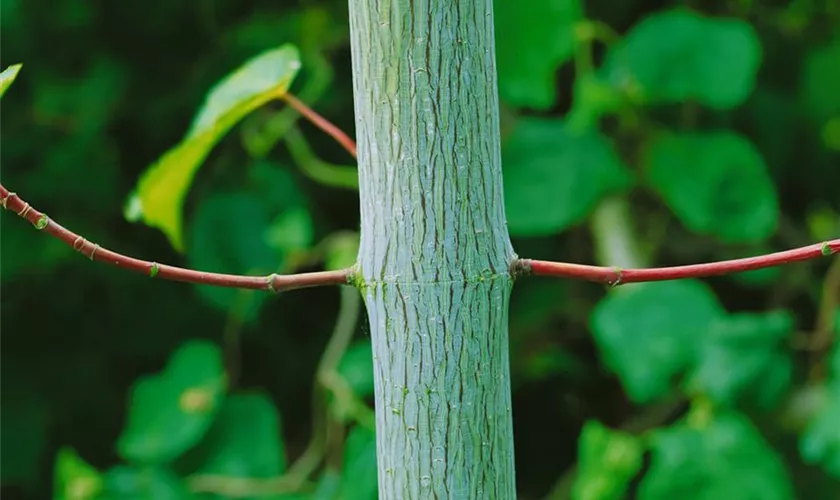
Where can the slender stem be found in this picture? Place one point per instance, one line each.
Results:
(615, 276)
(316, 168)
(345, 326)
(274, 282)
(322, 123)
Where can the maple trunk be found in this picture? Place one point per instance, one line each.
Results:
(435, 255)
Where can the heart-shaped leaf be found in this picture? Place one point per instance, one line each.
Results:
(171, 411)
(159, 197)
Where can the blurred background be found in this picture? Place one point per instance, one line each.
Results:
(635, 133)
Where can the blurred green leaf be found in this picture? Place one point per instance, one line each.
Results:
(358, 472)
(608, 461)
(729, 458)
(592, 98)
(357, 368)
(171, 411)
(649, 333)
(228, 235)
(159, 197)
(820, 442)
(328, 486)
(291, 231)
(821, 79)
(245, 441)
(8, 76)
(275, 184)
(716, 183)
(342, 250)
(554, 177)
(75, 479)
(532, 42)
(144, 483)
(746, 353)
(679, 55)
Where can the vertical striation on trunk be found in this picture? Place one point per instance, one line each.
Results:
(434, 260)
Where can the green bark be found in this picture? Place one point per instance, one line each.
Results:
(435, 255)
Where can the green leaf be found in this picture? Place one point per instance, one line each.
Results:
(679, 55)
(746, 355)
(532, 42)
(592, 98)
(554, 177)
(716, 183)
(291, 231)
(74, 478)
(820, 442)
(328, 486)
(144, 483)
(228, 235)
(608, 462)
(650, 333)
(8, 76)
(357, 368)
(245, 440)
(342, 250)
(159, 197)
(171, 411)
(727, 459)
(358, 473)
(821, 79)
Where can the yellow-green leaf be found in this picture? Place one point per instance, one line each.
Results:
(8, 76)
(159, 197)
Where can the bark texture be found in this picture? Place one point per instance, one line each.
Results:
(435, 255)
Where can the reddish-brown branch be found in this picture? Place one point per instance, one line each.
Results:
(322, 123)
(274, 282)
(614, 276)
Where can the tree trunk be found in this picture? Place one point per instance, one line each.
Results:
(435, 255)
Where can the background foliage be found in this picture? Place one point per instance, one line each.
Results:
(635, 133)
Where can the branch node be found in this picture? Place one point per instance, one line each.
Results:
(619, 275)
(79, 243)
(520, 267)
(25, 210)
(42, 222)
(93, 252)
(153, 271)
(826, 249)
(6, 199)
(270, 279)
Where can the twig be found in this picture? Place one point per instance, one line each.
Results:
(322, 123)
(274, 282)
(615, 276)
